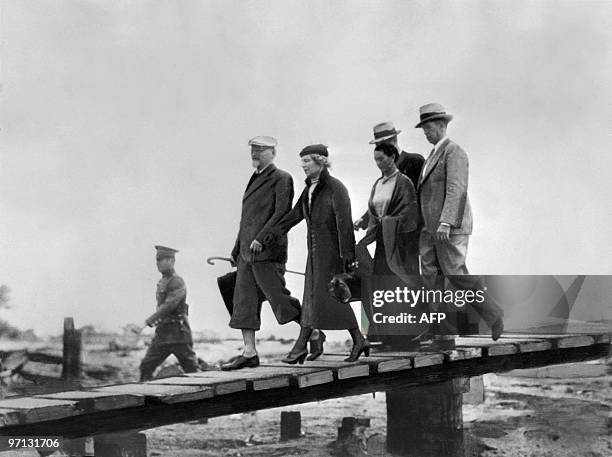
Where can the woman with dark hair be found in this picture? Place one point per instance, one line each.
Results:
(326, 207)
(393, 218)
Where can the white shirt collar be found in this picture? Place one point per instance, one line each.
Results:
(439, 143)
(262, 170)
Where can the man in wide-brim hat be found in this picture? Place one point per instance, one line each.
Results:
(447, 219)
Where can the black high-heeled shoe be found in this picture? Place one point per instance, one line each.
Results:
(292, 359)
(316, 347)
(362, 347)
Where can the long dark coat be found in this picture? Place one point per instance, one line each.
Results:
(331, 244)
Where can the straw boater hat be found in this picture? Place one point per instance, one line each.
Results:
(432, 111)
(384, 131)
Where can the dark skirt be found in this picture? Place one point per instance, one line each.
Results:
(383, 278)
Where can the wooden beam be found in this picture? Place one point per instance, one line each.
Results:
(154, 413)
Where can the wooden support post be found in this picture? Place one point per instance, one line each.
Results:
(82, 447)
(121, 444)
(71, 368)
(426, 421)
(291, 425)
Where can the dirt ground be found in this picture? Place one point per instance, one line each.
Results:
(554, 412)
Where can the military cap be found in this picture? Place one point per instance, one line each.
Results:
(163, 252)
(319, 149)
(263, 142)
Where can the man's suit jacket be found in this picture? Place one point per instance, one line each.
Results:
(411, 165)
(267, 199)
(443, 190)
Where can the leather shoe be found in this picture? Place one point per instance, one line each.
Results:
(316, 347)
(497, 329)
(241, 362)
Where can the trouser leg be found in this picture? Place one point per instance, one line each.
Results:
(153, 358)
(247, 305)
(187, 358)
(270, 278)
(433, 278)
(451, 257)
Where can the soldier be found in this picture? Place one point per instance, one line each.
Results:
(172, 332)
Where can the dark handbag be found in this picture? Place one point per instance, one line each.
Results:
(349, 286)
(227, 284)
(345, 287)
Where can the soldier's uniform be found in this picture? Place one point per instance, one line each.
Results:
(172, 332)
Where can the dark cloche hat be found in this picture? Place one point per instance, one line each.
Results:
(319, 149)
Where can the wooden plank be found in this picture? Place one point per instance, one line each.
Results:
(219, 384)
(222, 384)
(342, 369)
(260, 378)
(162, 393)
(384, 364)
(490, 347)
(10, 417)
(40, 409)
(419, 359)
(304, 376)
(465, 353)
(575, 341)
(598, 338)
(91, 401)
(534, 345)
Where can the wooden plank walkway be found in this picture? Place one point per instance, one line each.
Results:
(215, 393)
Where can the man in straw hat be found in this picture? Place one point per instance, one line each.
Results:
(172, 332)
(261, 266)
(447, 220)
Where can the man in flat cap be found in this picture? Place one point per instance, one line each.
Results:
(172, 332)
(447, 219)
(261, 266)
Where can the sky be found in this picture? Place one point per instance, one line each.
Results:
(125, 125)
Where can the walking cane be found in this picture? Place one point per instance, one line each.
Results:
(210, 261)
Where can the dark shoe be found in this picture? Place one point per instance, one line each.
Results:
(241, 362)
(361, 347)
(316, 347)
(497, 329)
(299, 357)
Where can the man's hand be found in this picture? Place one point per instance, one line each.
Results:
(233, 260)
(357, 224)
(256, 247)
(443, 233)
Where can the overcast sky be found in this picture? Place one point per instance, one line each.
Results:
(125, 125)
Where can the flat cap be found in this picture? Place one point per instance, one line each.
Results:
(319, 149)
(263, 142)
(163, 252)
